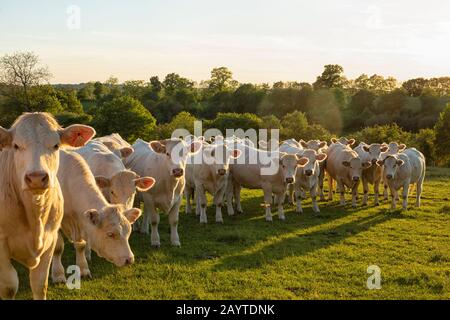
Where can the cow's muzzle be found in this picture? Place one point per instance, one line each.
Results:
(37, 180)
(178, 172)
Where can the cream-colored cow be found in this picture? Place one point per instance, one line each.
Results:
(31, 201)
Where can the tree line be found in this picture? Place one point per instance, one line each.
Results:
(371, 108)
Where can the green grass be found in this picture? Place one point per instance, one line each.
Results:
(307, 256)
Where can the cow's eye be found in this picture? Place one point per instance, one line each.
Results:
(56, 147)
(16, 147)
(168, 154)
(112, 193)
(110, 235)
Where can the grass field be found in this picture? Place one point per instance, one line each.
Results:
(307, 256)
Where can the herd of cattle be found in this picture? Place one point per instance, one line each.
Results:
(55, 180)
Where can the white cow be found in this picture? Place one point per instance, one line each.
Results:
(373, 174)
(393, 148)
(254, 173)
(164, 160)
(117, 184)
(90, 219)
(401, 170)
(319, 147)
(208, 172)
(116, 144)
(31, 202)
(345, 166)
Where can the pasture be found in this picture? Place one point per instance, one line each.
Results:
(308, 256)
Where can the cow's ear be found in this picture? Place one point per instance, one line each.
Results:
(366, 164)
(76, 135)
(132, 214)
(366, 148)
(157, 146)
(322, 144)
(301, 162)
(5, 138)
(235, 153)
(321, 157)
(303, 144)
(195, 147)
(380, 162)
(144, 184)
(93, 216)
(334, 140)
(102, 182)
(400, 162)
(402, 147)
(384, 148)
(126, 152)
(351, 142)
(346, 163)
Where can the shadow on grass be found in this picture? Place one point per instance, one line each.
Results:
(300, 244)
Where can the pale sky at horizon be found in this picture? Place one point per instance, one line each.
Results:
(260, 41)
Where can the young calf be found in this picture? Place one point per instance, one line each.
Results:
(210, 174)
(319, 147)
(117, 184)
(117, 145)
(90, 220)
(269, 171)
(400, 171)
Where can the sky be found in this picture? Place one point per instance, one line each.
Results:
(260, 41)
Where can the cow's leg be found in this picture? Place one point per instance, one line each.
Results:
(39, 274)
(366, 192)
(280, 200)
(147, 215)
(80, 257)
(385, 192)
(320, 184)
(9, 282)
(173, 221)
(405, 193)
(394, 198)
(188, 194)
(229, 196)
(136, 226)
(268, 202)
(237, 197)
(218, 202)
(298, 198)
(355, 194)
(419, 187)
(58, 272)
(154, 220)
(313, 193)
(340, 187)
(202, 202)
(330, 188)
(88, 251)
(376, 191)
(291, 190)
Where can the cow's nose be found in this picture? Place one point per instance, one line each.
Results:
(355, 178)
(289, 180)
(129, 260)
(37, 180)
(221, 172)
(389, 176)
(308, 172)
(177, 172)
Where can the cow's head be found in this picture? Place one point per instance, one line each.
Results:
(356, 166)
(313, 159)
(176, 151)
(374, 151)
(344, 141)
(391, 164)
(289, 164)
(219, 156)
(108, 231)
(122, 187)
(313, 144)
(35, 139)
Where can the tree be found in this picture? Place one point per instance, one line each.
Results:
(23, 69)
(183, 120)
(100, 90)
(331, 77)
(174, 82)
(415, 87)
(126, 116)
(442, 132)
(293, 125)
(242, 121)
(221, 80)
(86, 93)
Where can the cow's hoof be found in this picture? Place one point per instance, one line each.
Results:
(86, 274)
(176, 244)
(282, 218)
(156, 245)
(269, 219)
(240, 212)
(60, 278)
(219, 221)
